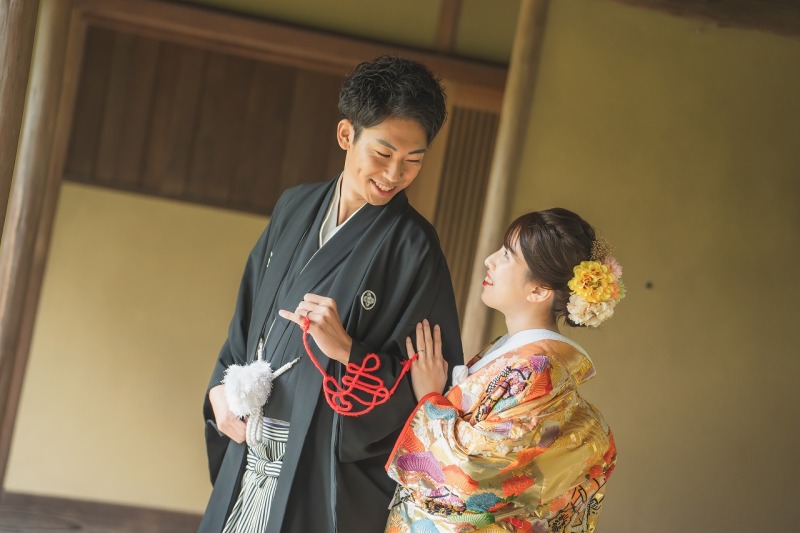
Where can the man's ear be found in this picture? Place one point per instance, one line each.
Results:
(537, 294)
(345, 134)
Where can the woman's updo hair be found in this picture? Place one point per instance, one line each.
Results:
(553, 242)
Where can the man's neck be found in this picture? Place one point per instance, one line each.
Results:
(347, 206)
(344, 212)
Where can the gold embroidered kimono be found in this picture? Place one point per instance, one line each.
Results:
(514, 447)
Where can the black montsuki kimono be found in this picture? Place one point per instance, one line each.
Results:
(386, 272)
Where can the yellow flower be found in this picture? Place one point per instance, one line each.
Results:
(593, 281)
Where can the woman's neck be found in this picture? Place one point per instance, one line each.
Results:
(516, 322)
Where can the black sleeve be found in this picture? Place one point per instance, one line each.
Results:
(428, 295)
(234, 348)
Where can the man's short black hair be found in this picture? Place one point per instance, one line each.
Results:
(393, 87)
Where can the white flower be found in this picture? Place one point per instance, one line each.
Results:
(589, 314)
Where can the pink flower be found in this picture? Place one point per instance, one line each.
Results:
(614, 266)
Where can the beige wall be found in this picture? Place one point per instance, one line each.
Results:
(411, 21)
(679, 141)
(136, 301)
(485, 28)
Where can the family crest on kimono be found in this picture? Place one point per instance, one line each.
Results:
(357, 267)
(513, 446)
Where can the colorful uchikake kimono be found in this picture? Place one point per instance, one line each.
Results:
(513, 447)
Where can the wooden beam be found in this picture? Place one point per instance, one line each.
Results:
(774, 17)
(447, 29)
(32, 202)
(508, 151)
(272, 42)
(17, 28)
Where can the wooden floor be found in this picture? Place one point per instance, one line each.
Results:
(27, 513)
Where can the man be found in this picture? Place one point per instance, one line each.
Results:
(363, 267)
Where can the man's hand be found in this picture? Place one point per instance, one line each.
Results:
(429, 371)
(326, 326)
(227, 423)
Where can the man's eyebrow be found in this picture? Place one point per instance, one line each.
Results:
(387, 144)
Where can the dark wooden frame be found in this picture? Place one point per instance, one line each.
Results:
(17, 27)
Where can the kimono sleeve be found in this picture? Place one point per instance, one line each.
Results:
(507, 452)
(233, 350)
(429, 295)
(505, 418)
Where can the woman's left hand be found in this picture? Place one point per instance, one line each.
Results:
(429, 371)
(325, 326)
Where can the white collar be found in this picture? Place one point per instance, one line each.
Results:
(526, 336)
(329, 227)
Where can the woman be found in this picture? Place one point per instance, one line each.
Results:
(513, 446)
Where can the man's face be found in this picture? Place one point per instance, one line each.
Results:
(383, 161)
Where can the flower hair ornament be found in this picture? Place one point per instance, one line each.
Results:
(596, 287)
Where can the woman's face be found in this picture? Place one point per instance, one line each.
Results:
(507, 282)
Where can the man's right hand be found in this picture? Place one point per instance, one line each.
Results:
(227, 422)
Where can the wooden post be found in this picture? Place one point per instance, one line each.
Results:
(31, 206)
(17, 28)
(447, 27)
(514, 119)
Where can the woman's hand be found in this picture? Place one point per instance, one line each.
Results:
(325, 327)
(429, 371)
(226, 421)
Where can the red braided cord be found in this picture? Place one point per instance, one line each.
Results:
(341, 399)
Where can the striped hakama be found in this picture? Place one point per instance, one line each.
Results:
(251, 511)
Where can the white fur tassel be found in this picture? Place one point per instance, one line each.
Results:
(247, 389)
